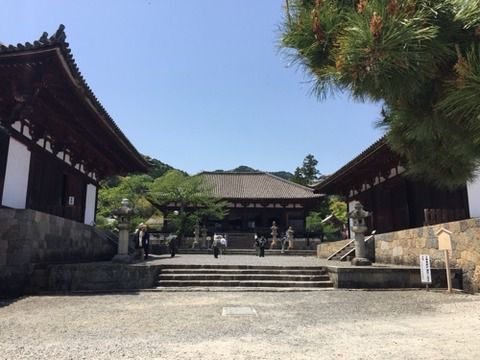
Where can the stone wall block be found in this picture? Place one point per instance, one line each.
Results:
(3, 258)
(464, 225)
(3, 245)
(383, 245)
(472, 256)
(21, 256)
(432, 242)
(476, 279)
(6, 214)
(389, 237)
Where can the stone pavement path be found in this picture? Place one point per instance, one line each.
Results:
(274, 260)
(318, 325)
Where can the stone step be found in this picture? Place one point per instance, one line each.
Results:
(252, 252)
(224, 277)
(242, 271)
(245, 283)
(240, 267)
(236, 289)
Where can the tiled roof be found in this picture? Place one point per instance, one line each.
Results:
(344, 170)
(255, 185)
(57, 40)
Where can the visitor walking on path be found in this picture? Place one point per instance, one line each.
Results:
(256, 243)
(223, 244)
(141, 239)
(284, 243)
(262, 242)
(216, 245)
(172, 245)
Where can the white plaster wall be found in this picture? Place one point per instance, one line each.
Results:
(473, 189)
(90, 204)
(16, 176)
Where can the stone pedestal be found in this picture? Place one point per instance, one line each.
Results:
(123, 238)
(360, 258)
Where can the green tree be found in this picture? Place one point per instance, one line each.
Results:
(191, 197)
(133, 187)
(307, 173)
(421, 58)
(338, 208)
(331, 205)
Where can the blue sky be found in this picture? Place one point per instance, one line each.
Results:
(200, 84)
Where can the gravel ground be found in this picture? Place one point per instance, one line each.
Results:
(315, 325)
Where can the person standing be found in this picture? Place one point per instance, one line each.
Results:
(215, 245)
(284, 242)
(172, 245)
(256, 243)
(141, 240)
(223, 244)
(262, 243)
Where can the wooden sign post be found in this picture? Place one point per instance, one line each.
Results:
(445, 244)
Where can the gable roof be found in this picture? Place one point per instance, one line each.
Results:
(255, 185)
(374, 160)
(55, 46)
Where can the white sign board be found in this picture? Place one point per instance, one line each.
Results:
(71, 200)
(425, 270)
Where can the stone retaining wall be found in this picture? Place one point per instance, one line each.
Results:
(100, 277)
(29, 237)
(404, 247)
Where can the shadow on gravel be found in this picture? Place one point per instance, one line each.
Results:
(92, 293)
(7, 302)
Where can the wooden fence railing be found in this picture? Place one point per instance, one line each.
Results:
(437, 216)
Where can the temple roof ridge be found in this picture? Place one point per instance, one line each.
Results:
(58, 39)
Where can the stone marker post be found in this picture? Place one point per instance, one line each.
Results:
(358, 216)
(204, 237)
(123, 214)
(274, 234)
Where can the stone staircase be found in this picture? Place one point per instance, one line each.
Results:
(347, 251)
(227, 277)
(252, 251)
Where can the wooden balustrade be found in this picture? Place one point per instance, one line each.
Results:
(437, 216)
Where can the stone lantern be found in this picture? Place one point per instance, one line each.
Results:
(196, 233)
(274, 234)
(204, 237)
(358, 216)
(123, 215)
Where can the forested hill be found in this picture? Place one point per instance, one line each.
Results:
(243, 168)
(157, 168)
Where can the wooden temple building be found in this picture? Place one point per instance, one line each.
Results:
(375, 178)
(256, 199)
(56, 139)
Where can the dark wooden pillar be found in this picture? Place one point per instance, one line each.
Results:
(4, 143)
